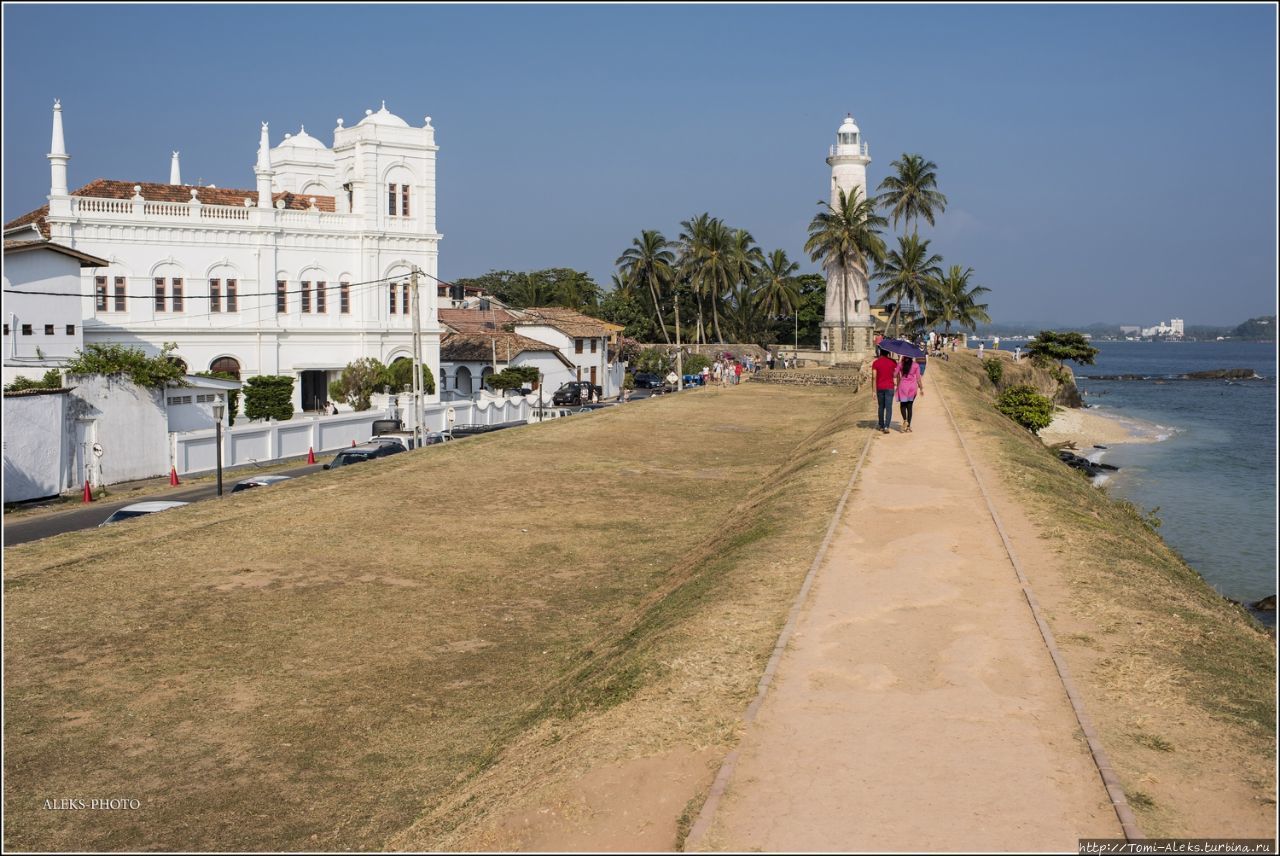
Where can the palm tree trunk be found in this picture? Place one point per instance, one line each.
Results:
(657, 309)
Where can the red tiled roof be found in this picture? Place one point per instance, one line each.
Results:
(476, 320)
(571, 322)
(105, 188)
(461, 347)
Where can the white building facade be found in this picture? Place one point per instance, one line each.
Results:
(300, 276)
(848, 303)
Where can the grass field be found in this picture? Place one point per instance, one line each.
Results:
(343, 661)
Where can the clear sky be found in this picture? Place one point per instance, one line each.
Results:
(1103, 163)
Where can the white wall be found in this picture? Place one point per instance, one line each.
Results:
(34, 446)
(127, 421)
(45, 271)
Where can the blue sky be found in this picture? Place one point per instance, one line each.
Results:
(1103, 163)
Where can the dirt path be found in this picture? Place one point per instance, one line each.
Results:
(917, 707)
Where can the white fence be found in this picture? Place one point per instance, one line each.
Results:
(259, 442)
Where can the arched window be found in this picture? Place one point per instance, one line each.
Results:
(227, 365)
(463, 383)
(485, 374)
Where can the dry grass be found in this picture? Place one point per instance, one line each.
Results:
(336, 661)
(1156, 649)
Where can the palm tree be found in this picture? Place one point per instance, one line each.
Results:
(748, 258)
(845, 238)
(649, 260)
(777, 292)
(908, 273)
(955, 300)
(708, 262)
(912, 192)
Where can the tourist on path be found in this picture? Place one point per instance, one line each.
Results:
(883, 369)
(981, 345)
(737, 373)
(910, 384)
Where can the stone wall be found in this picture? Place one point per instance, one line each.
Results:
(850, 378)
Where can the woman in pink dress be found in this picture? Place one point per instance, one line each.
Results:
(910, 384)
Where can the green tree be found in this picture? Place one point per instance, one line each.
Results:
(845, 239)
(155, 372)
(708, 264)
(909, 273)
(649, 264)
(777, 290)
(623, 306)
(911, 192)
(955, 301)
(400, 375)
(512, 377)
(652, 360)
(1052, 345)
(52, 379)
(1027, 407)
(269, 397)
(359, 381)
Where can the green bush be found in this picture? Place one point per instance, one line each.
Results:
(360, 380)
(694, 363)
(269, 397)
(400, 375)
(52, 379)
(513, 377)
(1027, 407)
(1052, 345)
(653, 361)
(995, 370)
(150, 372)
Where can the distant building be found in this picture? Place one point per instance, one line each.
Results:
(1172, 329)
(1130, 331)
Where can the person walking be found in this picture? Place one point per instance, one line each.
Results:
(980, 347)
(883, 369)
(910, 383)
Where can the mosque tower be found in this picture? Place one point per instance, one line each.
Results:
(848, 160)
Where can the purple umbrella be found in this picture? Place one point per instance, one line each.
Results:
(901, 347)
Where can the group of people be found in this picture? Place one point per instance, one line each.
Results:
(901, 380)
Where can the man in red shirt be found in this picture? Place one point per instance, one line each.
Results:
(882, 369)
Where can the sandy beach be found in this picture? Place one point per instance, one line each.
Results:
(1090, 427)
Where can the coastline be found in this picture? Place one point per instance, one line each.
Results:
(1089, 427)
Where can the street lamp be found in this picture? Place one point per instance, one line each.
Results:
(219, 408)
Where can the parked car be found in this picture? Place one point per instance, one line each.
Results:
(258, 481)
(140, 509)
(576, 392)
(645, 380)
(359, 454)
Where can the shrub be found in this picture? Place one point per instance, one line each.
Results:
(513, 377)
(360, 380)
(694, 363)
(150, 372)
(994, 369)
(269, 397)
(52, 379)
(1027, 407)
(653, 361)
(400, 375)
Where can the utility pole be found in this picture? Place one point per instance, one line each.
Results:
(417, 358)
(679, 350)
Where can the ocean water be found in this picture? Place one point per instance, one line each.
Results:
(1212, 479)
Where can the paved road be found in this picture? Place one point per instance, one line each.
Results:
(89, 516)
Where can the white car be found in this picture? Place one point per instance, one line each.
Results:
(258, 481)
(139, 509)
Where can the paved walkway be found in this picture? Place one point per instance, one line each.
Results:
(917, 707)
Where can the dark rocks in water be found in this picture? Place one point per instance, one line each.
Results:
(1085, 465)
(1096, 446)
(1222, 374)
(1267, 604)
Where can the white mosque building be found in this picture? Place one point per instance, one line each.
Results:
(299, 276)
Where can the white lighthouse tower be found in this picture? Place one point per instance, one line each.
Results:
(848, 305)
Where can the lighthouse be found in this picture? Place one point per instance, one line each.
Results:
(848, 304)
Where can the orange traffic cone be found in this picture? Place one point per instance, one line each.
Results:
(88, 493)
(311, 455)
(173, 477)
